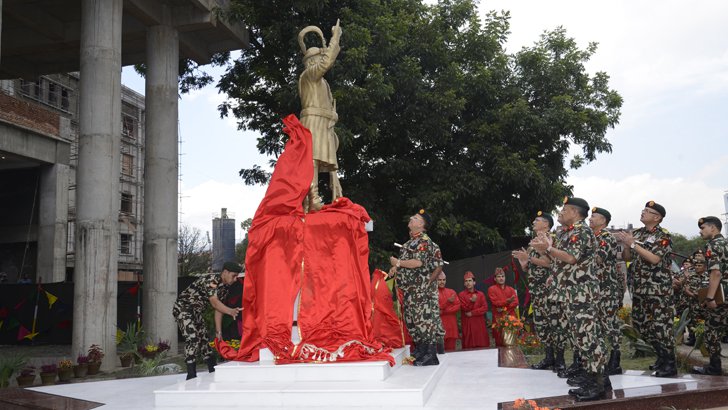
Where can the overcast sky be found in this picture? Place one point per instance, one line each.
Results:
(668, 60)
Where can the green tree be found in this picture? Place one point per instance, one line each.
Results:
(193, 254)
(241, 248)
(684, 246)
(433, 113)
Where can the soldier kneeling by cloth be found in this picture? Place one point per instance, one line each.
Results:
(189, 308)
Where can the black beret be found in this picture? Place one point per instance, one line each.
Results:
(548, 217)
(657, 207)
(710, 220)
(426, 217)
(603, 212)
(581, 203)
(232, 267)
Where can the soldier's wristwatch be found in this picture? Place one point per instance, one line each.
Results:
(632, 245)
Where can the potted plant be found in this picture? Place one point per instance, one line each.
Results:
(149, 351)
(510, 326)
(26, 376)
(9, 364)
(95, 356)
(48, 374)
(81, 369)
(128, 344)
(65, 370)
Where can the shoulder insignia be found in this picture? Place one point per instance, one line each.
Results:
(664, 230)
(708, 253)
(602, 244)
(574, 238)
(425, 237)
(664, 242)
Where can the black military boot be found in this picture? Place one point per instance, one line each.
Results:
(660, 359)
(420, 349)
(191, 370)
(547, 362)
(559, 362)
(614, 367)
(573, 369)
(669, 365)
(691, 338)
(606, 382)
(429, 358)
(588, 380)
(593, 390)
(580, 378)
(441, 348)
(715, 368)
(211, 362)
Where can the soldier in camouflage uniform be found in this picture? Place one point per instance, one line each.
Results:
(652, 304)
(697, 279)
(716, 323)
(188, 312)
(611, 284)
(577, 291)
(545, 311)
(417, 270)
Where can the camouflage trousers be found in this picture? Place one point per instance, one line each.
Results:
(421, 310)
(546, 319)
(652, 317)
(559, 325)
(194, 330)
(612, 323)
(585, 332)
(716, 324)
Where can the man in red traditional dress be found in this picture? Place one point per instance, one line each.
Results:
(449, 307)
(503, 302)
(473, 307)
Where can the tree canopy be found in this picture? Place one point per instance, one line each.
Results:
(434, 113)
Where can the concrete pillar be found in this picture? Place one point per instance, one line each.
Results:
(97, 178)
(160, 184)
(52, 223)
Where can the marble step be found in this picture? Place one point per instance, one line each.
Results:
(407, 386)
(345, 371)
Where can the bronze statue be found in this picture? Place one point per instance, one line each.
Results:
(318, 112)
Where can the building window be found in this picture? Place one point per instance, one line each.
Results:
(125, 244)
(128, 127)
(126, 203)
(127, 164)
(53, 94)
(65, 98)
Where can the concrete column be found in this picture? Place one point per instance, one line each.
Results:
(52, 223)
(97, 178)
(160, 184)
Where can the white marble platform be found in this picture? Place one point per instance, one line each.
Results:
(472, 380)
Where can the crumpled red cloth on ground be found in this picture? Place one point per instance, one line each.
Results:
(324, 256)
(385, 322)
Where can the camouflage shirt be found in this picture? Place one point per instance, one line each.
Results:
(716, 257)
(577, 282)
(198, 294)
(611, 282)
(538, 275)
(651, 279)
(421, 248)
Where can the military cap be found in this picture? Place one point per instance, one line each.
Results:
(469, 275)
(710, 220)
(581, 203)
(603, 212)
(548, 217)
(426, 217)
(232, 267)
(657, 207)
(698, 256)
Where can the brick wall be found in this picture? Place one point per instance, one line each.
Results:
(29, 115)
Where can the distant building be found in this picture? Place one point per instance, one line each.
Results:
(223, 240)
(39, 134)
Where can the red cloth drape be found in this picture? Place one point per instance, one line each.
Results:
(385, 322)
(448, 314)
(324, 256)
(474, 330)
(500, 307)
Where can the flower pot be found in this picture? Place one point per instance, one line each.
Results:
(25, 381)
(704, 350)
(48, 379)
(126, 360)
(509, 338)
(93, 368)
(65, 374)
(80, 370)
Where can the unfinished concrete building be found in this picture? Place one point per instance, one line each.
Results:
(96, 38)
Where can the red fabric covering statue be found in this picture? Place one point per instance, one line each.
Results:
(473, 307)
(449, 307)
(386, 324)
(503, 302)
(322, 254)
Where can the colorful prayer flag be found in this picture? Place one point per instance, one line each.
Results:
(51, 299)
